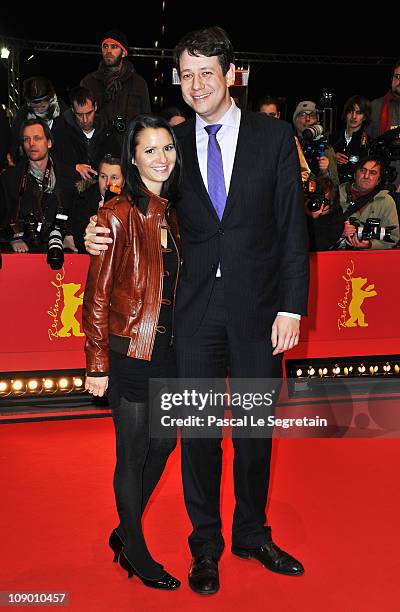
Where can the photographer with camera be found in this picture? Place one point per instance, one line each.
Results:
(84, 136)
(37, 194)
(371, 220)
(120, 92)
(325, 220)
(351, 141)
(319, 154)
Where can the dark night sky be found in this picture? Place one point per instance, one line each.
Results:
(341, 34)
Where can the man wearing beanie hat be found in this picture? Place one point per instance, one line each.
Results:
(304, 117)
(120, 92)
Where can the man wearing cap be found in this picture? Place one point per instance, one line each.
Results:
(120, 92)
(41, 102)
(304, 117)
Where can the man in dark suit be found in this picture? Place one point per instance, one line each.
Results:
(243, 287)
(244, 273)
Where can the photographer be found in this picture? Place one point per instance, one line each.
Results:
(351, 141)
(363, 200)
(319, 155)
(35, 191)
(120, 92)
(325, 220)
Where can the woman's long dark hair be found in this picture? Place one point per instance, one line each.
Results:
(170, 188)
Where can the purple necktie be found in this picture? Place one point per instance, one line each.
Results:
(215, 170)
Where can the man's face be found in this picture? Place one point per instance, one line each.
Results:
(204, 86)
(112, 54)
(270, 110)
(84, 114)
(396, 81)
(355, 118)
(368, 176)
(35, 143)
(110, 174)
(304, 120)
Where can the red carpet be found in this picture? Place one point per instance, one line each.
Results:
(334, 504)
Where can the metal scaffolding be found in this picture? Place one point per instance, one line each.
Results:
(16, 45)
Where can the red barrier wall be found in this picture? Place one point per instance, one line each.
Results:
(353, 309)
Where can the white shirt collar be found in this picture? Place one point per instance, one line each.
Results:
(231, 118)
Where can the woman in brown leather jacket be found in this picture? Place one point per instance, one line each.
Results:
(128, 319)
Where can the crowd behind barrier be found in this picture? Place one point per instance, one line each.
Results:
(56, 168)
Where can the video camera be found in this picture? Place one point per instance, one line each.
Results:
(372, 229)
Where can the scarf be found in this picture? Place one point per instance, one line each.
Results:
(48, 116)
(114, 79)
(38, 176)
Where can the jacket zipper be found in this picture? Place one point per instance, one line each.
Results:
(175, 286)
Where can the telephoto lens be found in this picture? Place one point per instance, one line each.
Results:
(55, 249)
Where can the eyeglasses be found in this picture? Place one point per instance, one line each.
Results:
(396, 76)
(307, 114)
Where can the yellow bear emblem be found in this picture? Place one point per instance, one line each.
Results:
(359, 294)
(71, 305)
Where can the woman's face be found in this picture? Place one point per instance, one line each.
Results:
(155, 157)
(110, 174)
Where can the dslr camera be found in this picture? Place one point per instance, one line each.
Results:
(372, 229)
(315, 198)
(55, 248)
(314, 146)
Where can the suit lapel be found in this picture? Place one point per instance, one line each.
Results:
(242, 164)
(192, 168)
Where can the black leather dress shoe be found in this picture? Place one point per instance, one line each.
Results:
(272, 557)
(203, 575)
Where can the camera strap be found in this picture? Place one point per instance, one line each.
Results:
(355, 206)
(24, 184)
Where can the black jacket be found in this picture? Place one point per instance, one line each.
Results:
(72, 147)
(131, 100)
(357, 147)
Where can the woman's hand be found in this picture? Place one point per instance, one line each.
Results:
(96, 385)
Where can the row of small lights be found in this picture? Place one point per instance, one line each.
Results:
(20, 386)
(361, 370)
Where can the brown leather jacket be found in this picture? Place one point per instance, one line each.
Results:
(124, 284)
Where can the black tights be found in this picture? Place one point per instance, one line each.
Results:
(140, 464)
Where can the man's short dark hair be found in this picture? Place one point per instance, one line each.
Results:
(370, 158)
(108, 158)
(267, 100)
(80, 95)
(208, 42)
(362, 102)
(46, 129)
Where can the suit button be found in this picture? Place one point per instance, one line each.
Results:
(221, 232)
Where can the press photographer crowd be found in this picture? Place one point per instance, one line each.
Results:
(60, 162)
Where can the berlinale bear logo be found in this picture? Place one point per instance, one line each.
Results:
(70, 324)
(352, 314)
